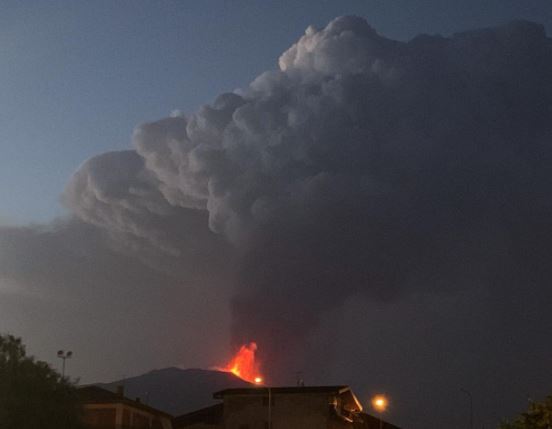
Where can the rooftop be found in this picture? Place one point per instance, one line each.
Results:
(366, 421)
(97, 395)
(351, 402)
(262, 390)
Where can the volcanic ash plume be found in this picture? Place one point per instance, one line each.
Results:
(362, 165)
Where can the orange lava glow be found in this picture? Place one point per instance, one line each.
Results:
(244, 364)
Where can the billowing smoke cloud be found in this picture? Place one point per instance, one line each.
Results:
(122, 308)
(362, 165)
(363, 168)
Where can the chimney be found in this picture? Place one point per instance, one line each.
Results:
(120, 391)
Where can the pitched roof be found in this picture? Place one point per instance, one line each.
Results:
(367, 421)
(97, 395)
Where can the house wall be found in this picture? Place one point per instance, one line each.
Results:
(141, 419)
(297, 411)
(339, 424)
(100, 416)
(121, 416)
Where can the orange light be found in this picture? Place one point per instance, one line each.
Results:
(380, 403)
(244, 364)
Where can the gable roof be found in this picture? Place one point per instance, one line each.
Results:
(97, 395)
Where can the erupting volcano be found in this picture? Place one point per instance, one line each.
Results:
(244, 364)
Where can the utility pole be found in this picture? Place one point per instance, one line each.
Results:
(470, 396)
(299, 379)
(269, 408)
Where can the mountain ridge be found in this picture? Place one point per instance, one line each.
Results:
(176, 390)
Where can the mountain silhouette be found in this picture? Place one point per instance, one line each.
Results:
(177, 391)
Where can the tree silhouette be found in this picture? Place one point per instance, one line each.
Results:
(538, 416)
(32, 394)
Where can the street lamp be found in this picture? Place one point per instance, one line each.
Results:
(63, 355)
(380, 404)
(259, 381)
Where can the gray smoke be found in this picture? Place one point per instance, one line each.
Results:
(362, 165)
(122, 308)
(362, 169)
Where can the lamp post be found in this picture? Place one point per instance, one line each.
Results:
(380, 404)
(63, 355)
(269, 408)
(470, 396)
(259, 381)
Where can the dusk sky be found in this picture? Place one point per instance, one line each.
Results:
(79, 76)
(361, 187)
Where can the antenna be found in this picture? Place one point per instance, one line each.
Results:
(299, 379)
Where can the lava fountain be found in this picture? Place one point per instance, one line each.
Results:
(244, 364)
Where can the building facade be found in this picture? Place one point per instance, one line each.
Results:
(313, 407)
(103, 409)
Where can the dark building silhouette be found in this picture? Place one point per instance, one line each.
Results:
(103, 409)
(311, 407)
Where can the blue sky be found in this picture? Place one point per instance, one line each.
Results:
(77, 76)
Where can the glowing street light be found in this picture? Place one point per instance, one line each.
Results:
(380, 404)
(64, 356)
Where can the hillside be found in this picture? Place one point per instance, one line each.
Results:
(177, 391)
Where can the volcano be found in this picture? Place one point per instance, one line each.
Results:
(177, 391)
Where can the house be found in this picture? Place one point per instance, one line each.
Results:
(104, 409)
(301, 407)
